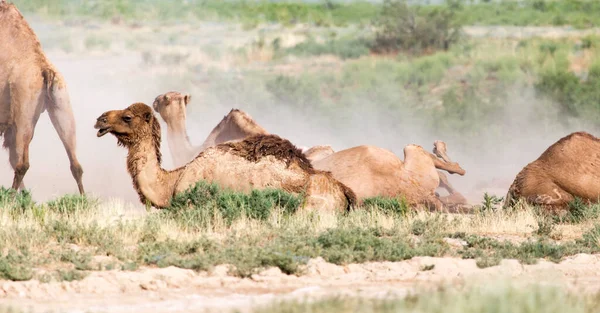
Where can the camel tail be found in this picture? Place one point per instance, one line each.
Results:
(49, 76)
(350, 196)
(509, 199)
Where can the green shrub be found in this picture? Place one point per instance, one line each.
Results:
(16, 266)
(392, 206)
(18, 202)
(72, 203)
(345, 48)
(201, 203)
(410, 28)
(577, 97)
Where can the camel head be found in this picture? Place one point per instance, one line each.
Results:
(131, 125)
(171, 106)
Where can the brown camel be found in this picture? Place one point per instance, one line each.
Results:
(454, 198)
(259, 161)
(238, 125)
(372, 171)
(29, 85)
(569, 168)
(171, 106)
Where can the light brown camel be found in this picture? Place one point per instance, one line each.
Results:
(371, 171)
(238, 125)
(29, 85)
(171, 106)
(454, 198)
(569, 168)
(259, 161)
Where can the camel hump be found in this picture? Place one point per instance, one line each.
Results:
(245, 122)
(256, 147)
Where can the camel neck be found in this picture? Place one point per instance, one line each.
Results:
(180, 147)
(151, 182)
(179, 144)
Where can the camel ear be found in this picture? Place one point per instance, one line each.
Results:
(148, 117)
(167, 98)
(187, 98)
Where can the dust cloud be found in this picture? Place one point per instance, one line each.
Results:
(98, 83)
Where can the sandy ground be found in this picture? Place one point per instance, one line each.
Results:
(178, 290)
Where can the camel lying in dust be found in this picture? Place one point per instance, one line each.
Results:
(371, 171)
(171, 106)
(238, 125)
(453, 199)
(29, 85)
(235, 126)
(569, 168)
(259, 161)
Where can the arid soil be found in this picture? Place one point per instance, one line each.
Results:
(178, 290)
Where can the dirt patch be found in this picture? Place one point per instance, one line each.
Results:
(178, 290)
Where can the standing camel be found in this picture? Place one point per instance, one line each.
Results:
(30, 85)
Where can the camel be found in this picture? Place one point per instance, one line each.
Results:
(171, 106)
(569, 168)
(30, 85)
(238, 125)
(372, 171)
(454, 198)
(257, 162)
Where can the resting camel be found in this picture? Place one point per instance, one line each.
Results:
(569, 168)
(382, 173)
(237, 125)
(258, 161)
(30, 85)
(172, 108)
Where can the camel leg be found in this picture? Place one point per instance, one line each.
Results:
(9, 142)
(63, 121)
(19, 153)
(551, 197)
(439, 149)
(454, 197)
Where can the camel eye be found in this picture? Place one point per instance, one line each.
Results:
(127, 118)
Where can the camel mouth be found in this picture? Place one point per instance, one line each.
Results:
(103, 131)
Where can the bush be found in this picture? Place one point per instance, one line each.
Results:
(411, 28)
(200, 204)
(387, 205)
(576, 96)
(346, 48)
(18, 202)
(69, 204)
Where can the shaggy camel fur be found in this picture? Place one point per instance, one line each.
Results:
(569, 168)
(258, 161)
(29, 85)
(171, 106)
(372, 171)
